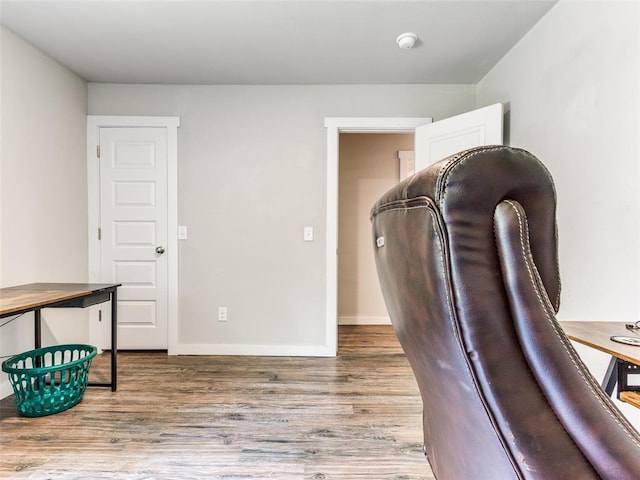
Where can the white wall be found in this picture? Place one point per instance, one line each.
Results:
(572, 85)
(252, 174)
(43, 193)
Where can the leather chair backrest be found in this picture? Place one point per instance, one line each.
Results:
(466, 252)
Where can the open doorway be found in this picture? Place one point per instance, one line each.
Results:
(477, 127)
(369, 165)
(336, 126)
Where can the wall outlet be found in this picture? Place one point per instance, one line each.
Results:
(222, 314)
(307, 234)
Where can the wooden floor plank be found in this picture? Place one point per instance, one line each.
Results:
(357, 416)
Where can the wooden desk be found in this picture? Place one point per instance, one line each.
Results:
(625, 359)
(36, 296)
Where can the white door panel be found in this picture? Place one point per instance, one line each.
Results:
(437, 140)
(137, 314)
(134, 233)
(134, 194)
(133, 219)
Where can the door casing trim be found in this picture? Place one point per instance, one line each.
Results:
(334, 126)
(94, 123)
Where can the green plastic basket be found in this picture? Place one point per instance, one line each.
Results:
(51, 379)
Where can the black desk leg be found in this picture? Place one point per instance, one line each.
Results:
(37, 327)
(114, 339)
(611, 376)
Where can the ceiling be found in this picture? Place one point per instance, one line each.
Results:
(274, 41)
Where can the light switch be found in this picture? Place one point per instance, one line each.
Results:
(308, 234)
(182, 232)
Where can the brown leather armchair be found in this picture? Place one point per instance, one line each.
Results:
(466, 252)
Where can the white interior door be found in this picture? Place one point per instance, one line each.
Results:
(437, 140)
(133, 223)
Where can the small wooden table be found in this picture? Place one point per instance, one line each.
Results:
(625, 359)
(36, 296)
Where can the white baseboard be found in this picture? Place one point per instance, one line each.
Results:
(253, 350)
(349, 320)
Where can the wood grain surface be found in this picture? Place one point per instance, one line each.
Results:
(16, 300)
(357, 416)
(23, 298)
(598, 335)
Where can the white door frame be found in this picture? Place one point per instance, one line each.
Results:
(334, 126)
(94, 123)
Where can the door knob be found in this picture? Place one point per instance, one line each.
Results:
(160, 250)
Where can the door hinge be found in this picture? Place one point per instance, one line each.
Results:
(99, 233)
(98, 150)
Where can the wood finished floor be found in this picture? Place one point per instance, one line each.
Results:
(357, 416)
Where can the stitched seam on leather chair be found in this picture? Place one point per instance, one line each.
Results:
(402, 204)
(556, 305)
(451, 306)
(448, 168)
(461, 345)
(577, 362)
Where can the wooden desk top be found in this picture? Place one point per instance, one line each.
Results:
(23, 298)
(597, 335)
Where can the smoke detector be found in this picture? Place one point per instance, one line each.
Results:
(406, 40)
